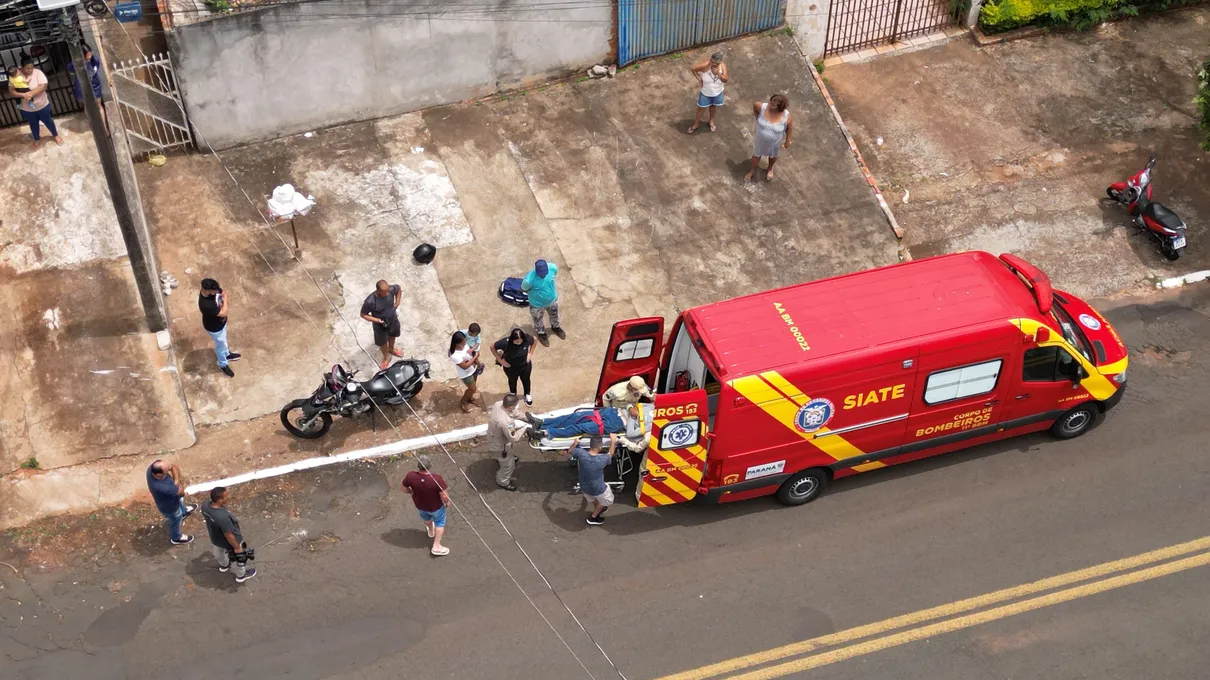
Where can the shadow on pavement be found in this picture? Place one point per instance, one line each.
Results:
(204, 572)
(413, 539)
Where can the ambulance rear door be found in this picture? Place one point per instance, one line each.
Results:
(675, 462)
(635, 346)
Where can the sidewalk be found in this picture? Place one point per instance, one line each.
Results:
(596, 176)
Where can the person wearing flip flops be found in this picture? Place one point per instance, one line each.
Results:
(381, 308)
(430, 494)
(711, 78)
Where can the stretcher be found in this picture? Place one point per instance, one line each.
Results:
(623, 457)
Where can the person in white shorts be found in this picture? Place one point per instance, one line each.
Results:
(591, 465)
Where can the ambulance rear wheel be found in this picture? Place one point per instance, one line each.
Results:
(1074, 423)
(803, 487)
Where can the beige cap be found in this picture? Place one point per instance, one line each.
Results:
(637, 383)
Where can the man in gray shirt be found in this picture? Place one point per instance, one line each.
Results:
(225, 536)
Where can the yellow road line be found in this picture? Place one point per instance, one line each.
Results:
(950, 625)
(926, 615)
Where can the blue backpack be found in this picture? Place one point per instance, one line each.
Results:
(510, 292)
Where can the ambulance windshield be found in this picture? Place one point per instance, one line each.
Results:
(1071, 331)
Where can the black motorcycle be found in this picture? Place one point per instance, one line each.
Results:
(339, 393)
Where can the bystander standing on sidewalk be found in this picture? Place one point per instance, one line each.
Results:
(430, 494)
(167, 487)
(93, 66)
(381, 308)
(228, 543)
(501, 435)
(213, 304)
(543, 298)
(515, 355)
(590, 465)
(711, 78)
(467, 367)
(35, 103)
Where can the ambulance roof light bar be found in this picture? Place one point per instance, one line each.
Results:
(1038, 282)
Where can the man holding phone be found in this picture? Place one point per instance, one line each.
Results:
(213, 305)
(381, 308)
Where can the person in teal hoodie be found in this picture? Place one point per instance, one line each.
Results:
(543, 299)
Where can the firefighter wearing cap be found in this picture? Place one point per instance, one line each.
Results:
(626, 393)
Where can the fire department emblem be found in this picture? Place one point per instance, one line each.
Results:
(1090, 322)
(814, 415)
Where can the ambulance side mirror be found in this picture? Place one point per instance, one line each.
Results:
(1042, 335)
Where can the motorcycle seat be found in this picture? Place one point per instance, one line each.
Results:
(384, 382)
(1163, 215)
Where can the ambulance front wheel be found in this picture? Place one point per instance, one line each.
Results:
(1075, 422)
(804, 487)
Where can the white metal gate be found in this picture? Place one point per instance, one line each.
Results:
(150, 103)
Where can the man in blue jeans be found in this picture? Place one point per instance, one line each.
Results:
(213, 305)
(167, 487)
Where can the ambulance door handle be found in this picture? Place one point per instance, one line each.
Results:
(1022, 396)
(993, 402)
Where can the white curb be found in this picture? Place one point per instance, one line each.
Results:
(392, 449)
(1185, 280)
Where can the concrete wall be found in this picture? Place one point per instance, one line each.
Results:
(291, 68)
(809, 19)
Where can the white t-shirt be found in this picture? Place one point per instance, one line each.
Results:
(458, 357)
(712, 84)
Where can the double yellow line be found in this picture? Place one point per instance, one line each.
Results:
(844, 644)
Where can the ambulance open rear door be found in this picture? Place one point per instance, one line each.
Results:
(675, 461)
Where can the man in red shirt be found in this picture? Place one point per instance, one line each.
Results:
(429, 493)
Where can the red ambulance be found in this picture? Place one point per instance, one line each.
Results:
(781, 392)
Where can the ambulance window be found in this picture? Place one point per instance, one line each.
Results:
(1049, 364)
(634, 349)
(958, 383)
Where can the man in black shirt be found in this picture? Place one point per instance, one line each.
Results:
(381, 308)
(213, 305)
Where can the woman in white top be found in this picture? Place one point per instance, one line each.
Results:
(711, 76)
(468, 367)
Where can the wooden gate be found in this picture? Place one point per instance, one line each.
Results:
(650, 27)
(858, 24)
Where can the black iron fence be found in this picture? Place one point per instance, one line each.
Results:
(52, 58)
(860, 24)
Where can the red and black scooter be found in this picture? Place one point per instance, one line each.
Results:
(1165, 226)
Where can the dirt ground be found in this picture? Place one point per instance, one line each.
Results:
(598, 177)
(81, 378)
(1009, 148)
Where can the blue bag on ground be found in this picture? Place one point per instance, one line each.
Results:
(510, 292)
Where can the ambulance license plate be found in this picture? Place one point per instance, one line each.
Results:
(1178, 242)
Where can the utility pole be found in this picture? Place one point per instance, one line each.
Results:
(143, 276)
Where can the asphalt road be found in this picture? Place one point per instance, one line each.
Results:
(853, 577)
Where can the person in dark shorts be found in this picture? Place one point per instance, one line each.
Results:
(167, 487)
(381, 308)
(515, 354)
(228, 543)
(212, 302)
(429, 493)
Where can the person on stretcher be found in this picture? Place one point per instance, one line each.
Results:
(633, 425)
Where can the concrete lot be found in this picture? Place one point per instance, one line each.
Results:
(1009, 148)
(82, 378)
(347, 589)
(597, 176)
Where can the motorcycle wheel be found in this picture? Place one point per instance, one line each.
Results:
(292, 415)
(1173, 254)
(412, 394)
(1114, 194)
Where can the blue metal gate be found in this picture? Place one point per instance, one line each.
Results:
(650, 27)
